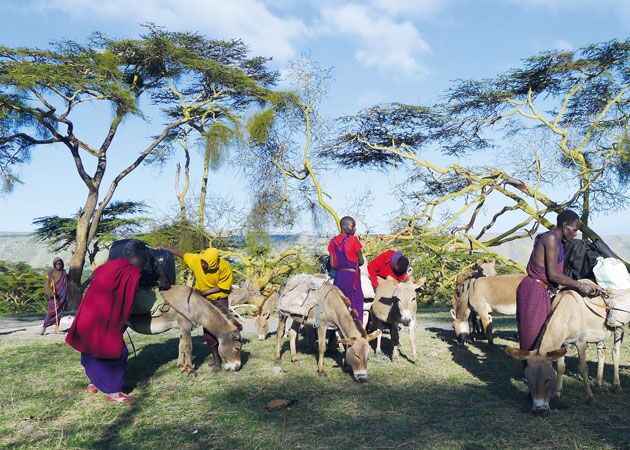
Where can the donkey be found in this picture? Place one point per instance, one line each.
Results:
(396, 303)
(485, 296)
(332, 310)
(261, 319)
(481, 268)
(574, 320)
(185, 309)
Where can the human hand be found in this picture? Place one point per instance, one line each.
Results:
(590, 290)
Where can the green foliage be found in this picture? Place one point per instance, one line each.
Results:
(429, 258)
(115, 223)
(260, 124)
(217, 139)
(21, 288)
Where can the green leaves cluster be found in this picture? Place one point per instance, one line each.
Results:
(21, 288)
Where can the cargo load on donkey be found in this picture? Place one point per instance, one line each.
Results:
(596, 261)
(158, 273)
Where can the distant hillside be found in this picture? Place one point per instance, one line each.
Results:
(23, 247)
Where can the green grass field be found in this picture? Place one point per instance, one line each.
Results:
(469, 397)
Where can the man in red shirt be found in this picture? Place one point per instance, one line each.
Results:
(346, 257)
(388, 264)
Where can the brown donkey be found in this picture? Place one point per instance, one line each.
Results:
(331, 311)
(187, 310)
(395, 303)
(574, 320)
(486, 295)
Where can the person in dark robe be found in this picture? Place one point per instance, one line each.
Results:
(389, 264)
(97, 330)
(545, 274)
(346, 257)
(57, 289)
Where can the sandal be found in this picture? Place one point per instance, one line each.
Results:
(91, 389)
(120, 397)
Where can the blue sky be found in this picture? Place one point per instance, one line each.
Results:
(380, 51)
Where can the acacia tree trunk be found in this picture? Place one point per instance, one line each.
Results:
(77, 261)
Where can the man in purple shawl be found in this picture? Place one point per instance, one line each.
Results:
(346, 256)
(544, 273)
(57, 289)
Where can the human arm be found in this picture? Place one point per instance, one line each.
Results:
(360, 258)
(210, 291)
(375, 266)
(555, 276)
(171, 250)
(47, 289)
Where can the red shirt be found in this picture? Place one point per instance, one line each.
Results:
(379, 267)
(351, 249)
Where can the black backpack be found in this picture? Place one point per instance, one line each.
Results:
(159, 265)
(580, 256)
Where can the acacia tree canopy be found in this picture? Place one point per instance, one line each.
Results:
(191, 80)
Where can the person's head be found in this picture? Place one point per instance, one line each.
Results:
(58, 263)
(348, 225)
(569, 224)
(399, 263)
(210, 260)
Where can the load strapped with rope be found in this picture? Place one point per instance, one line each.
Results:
(299, 295)
(612, 275)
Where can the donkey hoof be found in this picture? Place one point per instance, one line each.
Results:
(321, 374)
(617, 390)
(192, 374)
(590, 400)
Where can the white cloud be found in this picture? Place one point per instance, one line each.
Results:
(384, 44)
(423, 9)
(267, 34)
(563, 44)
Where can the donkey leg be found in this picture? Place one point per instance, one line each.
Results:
(618, 338)
(184, 360)
(561, 366)
(486, 322)
(321, 347)
(293, 334)
(412, 338)
(581, 347)
(601, 354)
(279, 332)
(395, 338)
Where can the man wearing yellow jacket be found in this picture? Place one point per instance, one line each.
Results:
(213, 280)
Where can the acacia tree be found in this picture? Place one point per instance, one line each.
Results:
(118, 219)
(188, 77)
(586, 92)
(282, 140)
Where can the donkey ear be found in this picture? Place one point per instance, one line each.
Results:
(556, 354)
(480, 261)
(235, 335)
(453, 314)
(347, 341)
(517, 353)
(373, 335)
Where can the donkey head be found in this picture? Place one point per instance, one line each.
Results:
(358, 353)
(540, 374)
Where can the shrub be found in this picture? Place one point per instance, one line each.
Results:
(22, 288)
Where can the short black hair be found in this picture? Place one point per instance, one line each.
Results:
(402, 263)
(567, 216)
(346, 219)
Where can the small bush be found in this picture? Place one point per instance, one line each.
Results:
(22, 288)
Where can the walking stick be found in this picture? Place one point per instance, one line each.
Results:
(54, 291)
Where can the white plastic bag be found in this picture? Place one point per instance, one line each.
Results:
(366, 284)
(611, 273)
